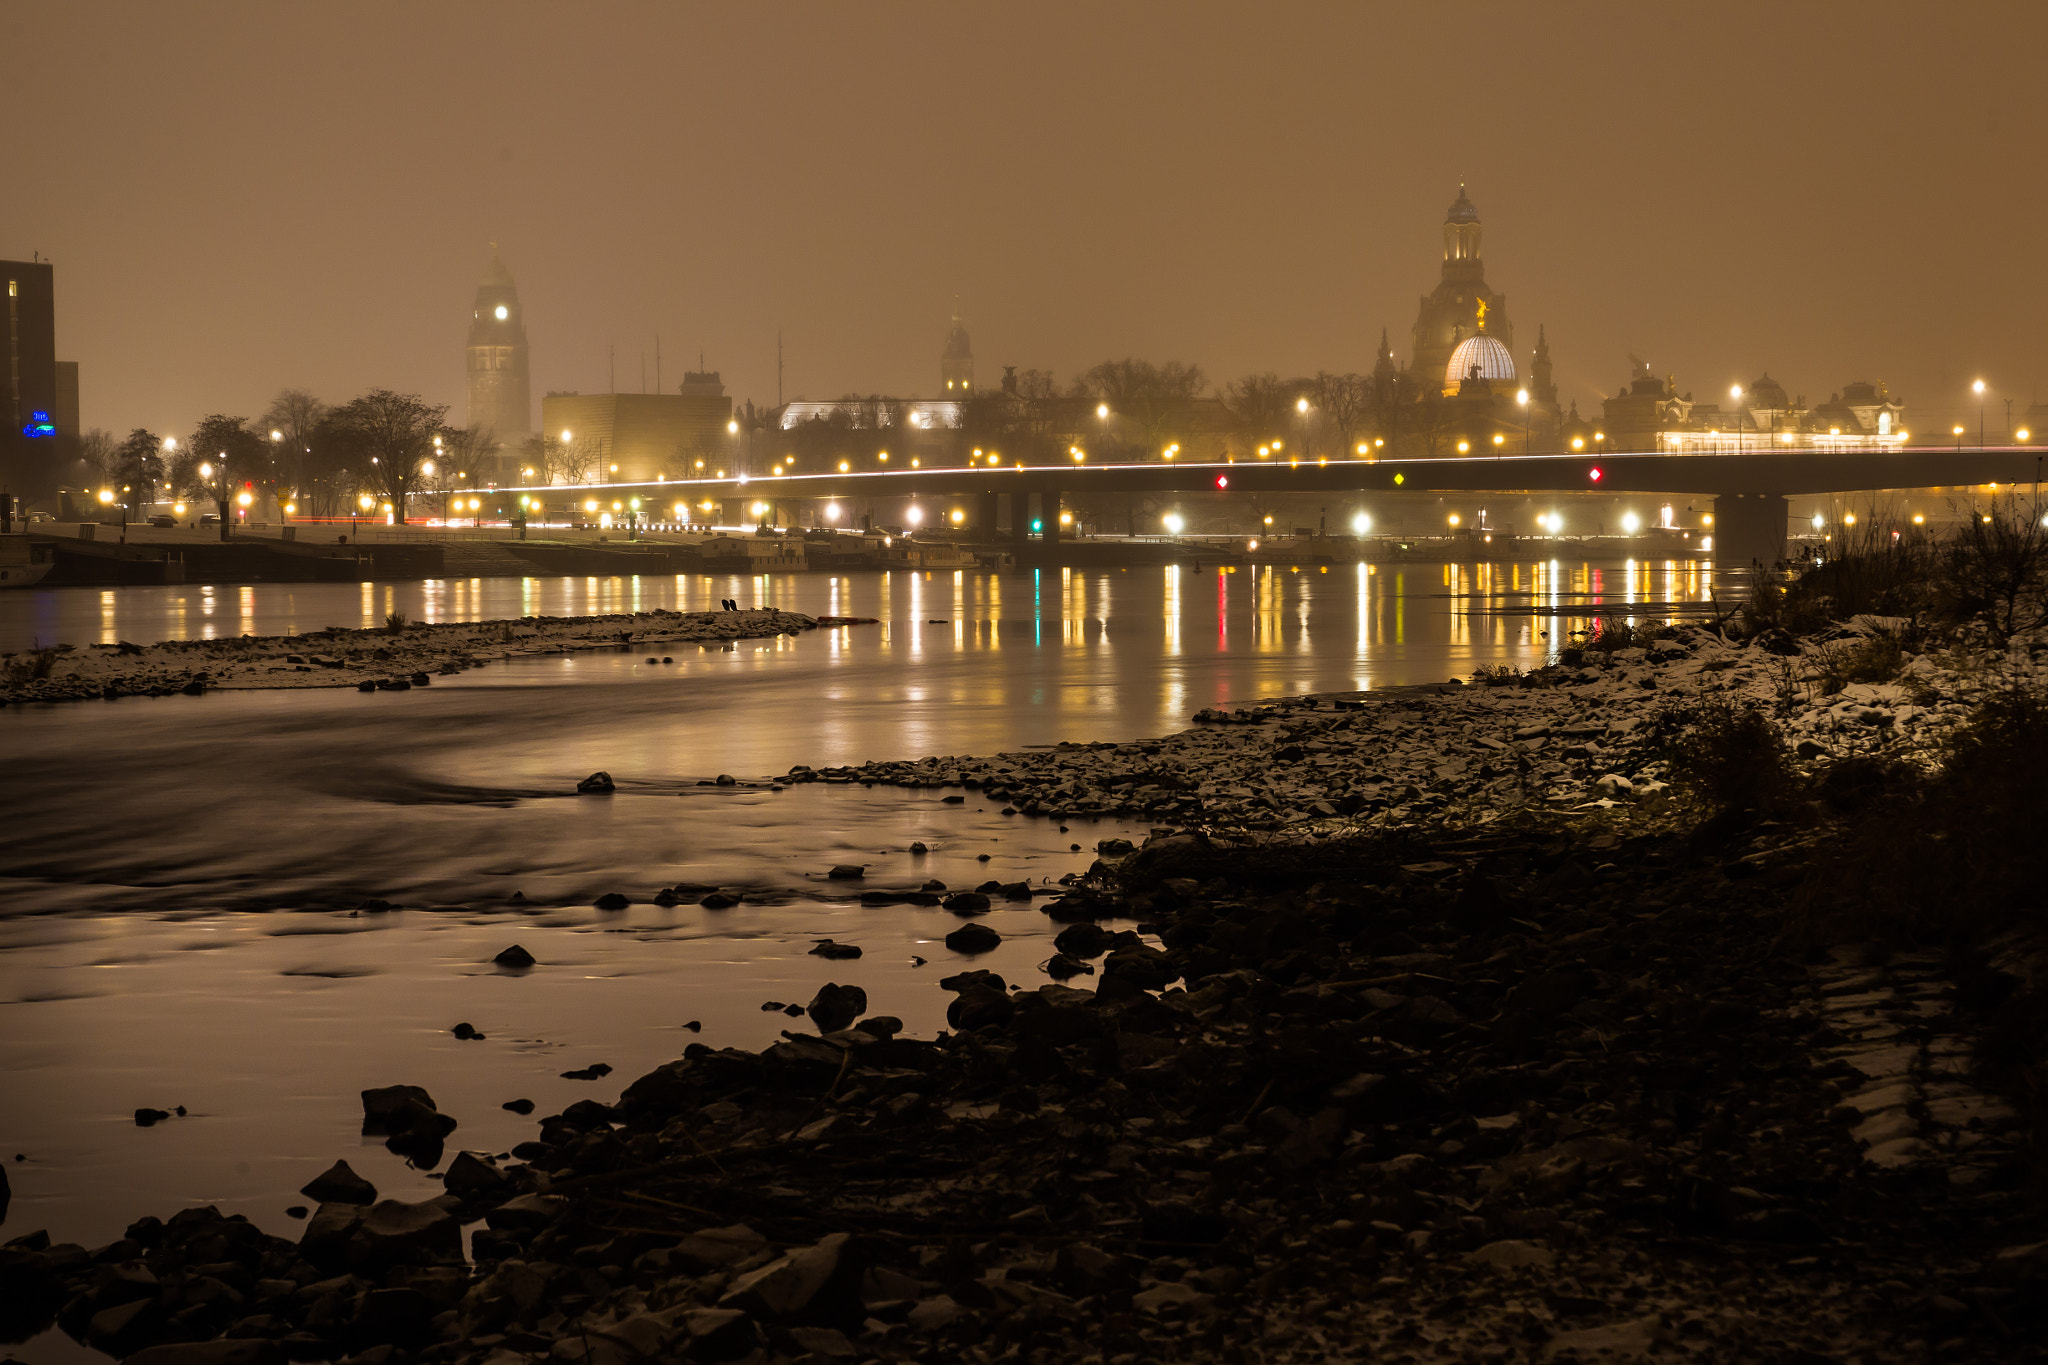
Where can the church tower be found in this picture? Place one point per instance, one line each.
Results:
(1460, 307)
(956, 362)
(1541, 389)
(499, 397)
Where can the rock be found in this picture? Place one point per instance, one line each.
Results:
(403, 1110)
(935, 1314)
(598, 783)
(472, 1174)
(518, 1106)
(514, 957)
(339, 1184)
(919, 846)
(1060, 967)
(1085, 939)
(835, 952)
(718, 1334)
(146, 1118)
(834, 1007)
(1511, 1255)
(786, 1286)
(846, 872)
(973, 938)
(967, 903)
(720, 900)
(225, 1351)
(527, 1212)
(612, 900)
(394, 1232)
(467, 1033)
(596, 1071)
(1170, 1294)
(1113, 848)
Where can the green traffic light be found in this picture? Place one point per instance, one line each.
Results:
(1037, 524)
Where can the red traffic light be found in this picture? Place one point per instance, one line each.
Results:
(1223, 481)
(1594, 473)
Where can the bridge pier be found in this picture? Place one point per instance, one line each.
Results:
(1749, 528)
(986, 511)
(1020, 520)
(1049, 509)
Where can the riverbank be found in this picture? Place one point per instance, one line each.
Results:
(400, 656)
(1505, 1064)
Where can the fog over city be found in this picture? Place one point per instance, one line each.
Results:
(241, 198)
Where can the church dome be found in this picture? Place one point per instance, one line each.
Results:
(1489, 355)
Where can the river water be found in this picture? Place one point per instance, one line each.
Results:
(178, 875)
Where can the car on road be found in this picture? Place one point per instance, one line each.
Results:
(163, 519)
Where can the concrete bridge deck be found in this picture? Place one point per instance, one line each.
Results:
(1748, 489)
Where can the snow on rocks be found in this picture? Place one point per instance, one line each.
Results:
(370, 659)
(1587, 734)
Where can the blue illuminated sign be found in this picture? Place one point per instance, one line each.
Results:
(40, 425)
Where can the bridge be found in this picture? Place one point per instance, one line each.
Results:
(1748, 490)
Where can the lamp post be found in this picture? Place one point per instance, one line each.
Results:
(276, 436)
(1979, 388)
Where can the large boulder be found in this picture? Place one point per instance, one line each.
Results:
(834, 1007)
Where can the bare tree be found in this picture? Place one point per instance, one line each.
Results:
(96, 456)
(290, 423)
(1258, 407)
(388, 437)
(1343, 402)
(1156, 400)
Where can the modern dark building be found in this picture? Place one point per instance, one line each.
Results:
(31, 446)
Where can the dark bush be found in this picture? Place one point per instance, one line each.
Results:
(1730, 759)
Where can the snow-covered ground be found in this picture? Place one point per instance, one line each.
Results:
(1591, 735)
(351, 658)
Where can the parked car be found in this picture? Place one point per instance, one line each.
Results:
(163, 519)
(209, 519)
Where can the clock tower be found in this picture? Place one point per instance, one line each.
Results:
(499, 397)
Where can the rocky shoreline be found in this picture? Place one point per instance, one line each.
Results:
(390, 659)
(1460, 1041)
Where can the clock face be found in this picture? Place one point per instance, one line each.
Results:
(503, 312)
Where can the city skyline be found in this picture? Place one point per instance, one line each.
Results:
(1263, 218)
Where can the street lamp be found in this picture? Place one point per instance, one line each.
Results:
(1978, 387)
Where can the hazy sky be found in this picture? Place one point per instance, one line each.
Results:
(244, 197)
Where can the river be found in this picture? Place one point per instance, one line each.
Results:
(178, 875)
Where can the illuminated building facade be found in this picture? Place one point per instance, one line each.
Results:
(1651, 414)
(1462, 392)
(646, 437)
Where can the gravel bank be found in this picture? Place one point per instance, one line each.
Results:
(1492, 1059)
(384, 660)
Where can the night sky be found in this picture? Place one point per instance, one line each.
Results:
(242, 198)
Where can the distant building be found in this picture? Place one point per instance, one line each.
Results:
(500, 399)
(1651, 414)
(35, 443)
(646, 437)
(1462, 305)
(1462, 391)
(956, 362)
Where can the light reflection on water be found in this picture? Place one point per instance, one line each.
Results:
(150, 845)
